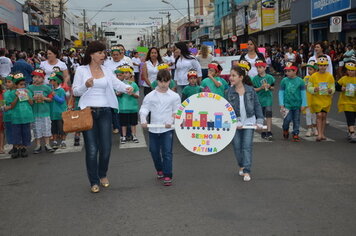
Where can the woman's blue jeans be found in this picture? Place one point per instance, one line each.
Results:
(242, 143)
(98, 140)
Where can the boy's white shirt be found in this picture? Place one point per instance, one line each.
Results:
(162, 106)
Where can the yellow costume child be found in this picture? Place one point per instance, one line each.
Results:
(347, 99)
(322, 86)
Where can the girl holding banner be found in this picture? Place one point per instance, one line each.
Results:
(244, 100)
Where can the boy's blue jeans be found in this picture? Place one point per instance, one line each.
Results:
(161, 151)
(242, 143)
(293, 116)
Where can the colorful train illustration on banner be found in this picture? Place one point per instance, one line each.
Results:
(203, 122)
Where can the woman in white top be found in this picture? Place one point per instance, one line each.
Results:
(53, 62)
(118, 58)
(290, 56)
(204, 58)
(150, 69)
(184, 62)
(251, 56)
(95, 85)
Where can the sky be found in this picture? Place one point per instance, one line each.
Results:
(129, 10)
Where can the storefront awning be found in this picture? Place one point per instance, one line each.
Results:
(37, 38)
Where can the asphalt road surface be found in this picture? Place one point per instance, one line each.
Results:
(305, 188)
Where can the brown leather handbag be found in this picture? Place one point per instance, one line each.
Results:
(77, 121)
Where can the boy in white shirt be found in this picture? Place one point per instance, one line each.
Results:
(162, 103)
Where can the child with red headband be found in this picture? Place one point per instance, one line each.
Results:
(193, 87)
(42, 98)
(264, 85)
(292, 99)
(214, 83)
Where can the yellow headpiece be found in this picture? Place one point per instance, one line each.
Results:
(163, 66)
(126, 68)
(245, 65)
(350, 65)
(322, 60)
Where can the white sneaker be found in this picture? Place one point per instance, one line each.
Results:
(247, 177)
(309, 132)
(241, 172)
(123, 140)
(134, 139)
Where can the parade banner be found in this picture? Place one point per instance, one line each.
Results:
(226, 63)
(268, 13)
(205, 123)
(254, 17)
(136, 25)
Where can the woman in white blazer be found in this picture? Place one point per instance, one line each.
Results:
(95, 86)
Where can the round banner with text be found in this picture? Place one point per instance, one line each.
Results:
(205, 123)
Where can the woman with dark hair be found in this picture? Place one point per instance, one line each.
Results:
(244, 100)
(54, 62)
(184, 62)
(319, 49)
(95, 85)
(150, 69)
(251, 56)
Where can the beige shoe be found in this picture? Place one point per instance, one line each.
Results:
(95, 188)
(309, 132)
(115, 131)
(104, 182)
(315, 132)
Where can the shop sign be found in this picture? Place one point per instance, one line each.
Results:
(284, 10)
(351, 17)
(240, 21)
(254, 17)
(268, 12)
(11, 14)
(320, 8)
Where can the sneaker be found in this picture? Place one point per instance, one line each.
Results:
(63, 145)
(241, 172)
(263, 135)
(247, 177)
(11, 151)
(115, 131)
(77, 141)
(37, 150)
(269, 136)
(167, 181)
(24, 152)
(353, 138)
(134, 139)
(123, 140)
(15, 153)
(49, 148)
(160, 174)
(309, 132)
(285, 134)
(315, 132)
(296, 138)
(55, 145)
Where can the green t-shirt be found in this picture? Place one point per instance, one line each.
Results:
(190, 90)
(172, 84)
(56, 107)
(292, 92)
(128, 103)
(265, 97)
(22, 113)
(207, 82)
(41, 109)
(8, 100)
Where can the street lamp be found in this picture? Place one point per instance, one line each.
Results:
(189, 30)
(169, 25)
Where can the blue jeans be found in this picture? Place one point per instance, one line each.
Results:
(21, 134)
(115, 120)
(242, 143)
(8, 133)
(98, 139)
(293, 115)
(161, 151)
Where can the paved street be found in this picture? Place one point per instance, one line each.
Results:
(305, 188)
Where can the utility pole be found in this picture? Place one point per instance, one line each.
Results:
(233, 15)
(169, 29)
(189, 30)
(85, 29)
(61, 25)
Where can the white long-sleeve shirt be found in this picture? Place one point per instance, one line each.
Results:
(82, 74)
(182, 67)
(162, 106)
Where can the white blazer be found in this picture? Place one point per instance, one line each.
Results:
(83, 73)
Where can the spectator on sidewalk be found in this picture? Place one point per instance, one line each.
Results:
(22, 66)
(5, 64)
